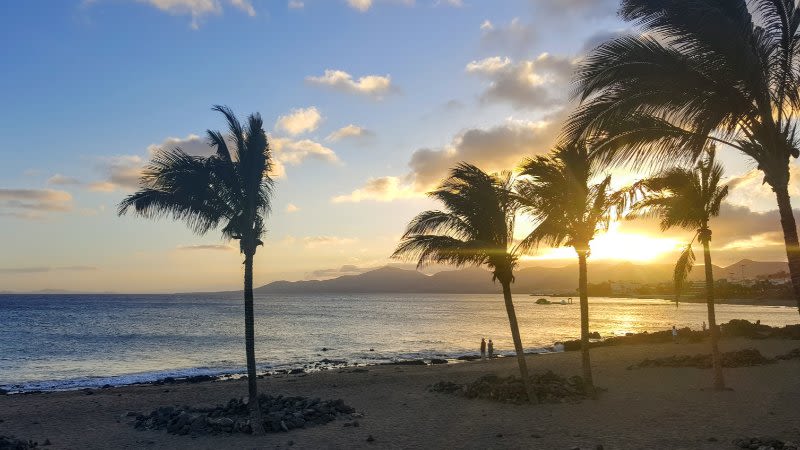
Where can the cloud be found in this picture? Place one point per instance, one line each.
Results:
(534, 84)
(383, 189)
(123, 172)
(493, 149)
(737, 227)
(360, 5)
(24, 270)
(288, 151)
(214, 247)
(197, 9)
(375, 86)
(33, 203)
(515, 37)
(61, 180)
(325, 241)
(291, 207)
(299, 121)
(349, 132)
(749, 189)
(296, 4)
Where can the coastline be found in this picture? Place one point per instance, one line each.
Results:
(399, 412)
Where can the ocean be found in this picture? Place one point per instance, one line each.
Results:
(58, 342)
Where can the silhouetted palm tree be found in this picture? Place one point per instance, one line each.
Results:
(699, 71)
(688, 199)
(230, 189)
(476, 228)
(567, 210)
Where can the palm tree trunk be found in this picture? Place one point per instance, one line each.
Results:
(583, 291)
(719, 382)
(512, 320)
(790, 238)
(250, 348)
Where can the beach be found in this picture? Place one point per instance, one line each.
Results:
(640, 408)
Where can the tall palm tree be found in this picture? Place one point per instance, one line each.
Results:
(229, 189)
(567, 210)
(688, 199)
(476, 228)
(725, 71)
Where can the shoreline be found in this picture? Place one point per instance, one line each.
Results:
(399, 411)
(733, 329)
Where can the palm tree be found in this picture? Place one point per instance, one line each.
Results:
(567, 210)
(476, 228)
(688, 199)
(228, 189)
(723, 71)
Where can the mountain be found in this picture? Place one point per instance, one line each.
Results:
(528, 280)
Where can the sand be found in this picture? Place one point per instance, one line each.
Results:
(669, 408)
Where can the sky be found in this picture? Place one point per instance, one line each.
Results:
(367, 103)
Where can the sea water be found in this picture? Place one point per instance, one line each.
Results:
(54, 342)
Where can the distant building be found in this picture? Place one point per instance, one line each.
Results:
(625, 287)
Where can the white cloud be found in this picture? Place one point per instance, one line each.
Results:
(33, 203)
(493, 149)
(291, 207)
(288, 151)
(198, 9)
(375, 86)
(296, 4)
(299, 120)
(360, 5)
(532, 84)
(349, 132)
(383, 189)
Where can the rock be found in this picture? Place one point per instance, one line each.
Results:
(47, 442)
(536, 436)
(438, 361)
(499, 435)
(370, 438)
(324, 349)
(296, 371)
(712, 439)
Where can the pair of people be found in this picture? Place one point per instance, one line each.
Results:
(484, 346)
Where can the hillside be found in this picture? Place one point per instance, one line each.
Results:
(528, 280)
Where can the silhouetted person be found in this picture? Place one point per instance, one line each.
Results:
(491, 349)
(674, 334)
(704, 326)
(483, 348)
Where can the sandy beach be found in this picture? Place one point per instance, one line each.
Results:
(667, 408)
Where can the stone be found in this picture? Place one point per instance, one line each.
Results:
(370, 438)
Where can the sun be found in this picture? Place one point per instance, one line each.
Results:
(618, 246)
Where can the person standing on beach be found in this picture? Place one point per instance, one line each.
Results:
(483, 348)
(674, 334)
(491, 349)
(704, 326)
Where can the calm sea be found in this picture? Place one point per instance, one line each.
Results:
(52, 342)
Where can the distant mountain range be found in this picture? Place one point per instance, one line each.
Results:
(539, 280)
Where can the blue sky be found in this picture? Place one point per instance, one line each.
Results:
(92, 87)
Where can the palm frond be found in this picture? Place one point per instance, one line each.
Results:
(683, 267)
